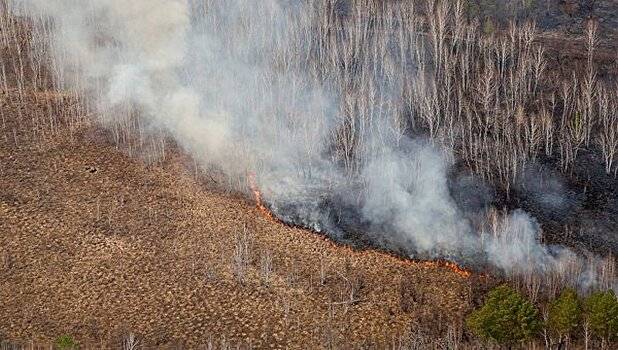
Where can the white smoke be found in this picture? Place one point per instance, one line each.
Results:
(230, 81)
(408, 192)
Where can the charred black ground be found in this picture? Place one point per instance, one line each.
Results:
(576, 208)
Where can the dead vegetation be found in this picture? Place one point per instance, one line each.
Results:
(96, 243)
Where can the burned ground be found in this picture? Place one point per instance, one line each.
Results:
(96, 243)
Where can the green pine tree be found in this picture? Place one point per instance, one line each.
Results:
(505, 318)
(602, 314)
(565, 314)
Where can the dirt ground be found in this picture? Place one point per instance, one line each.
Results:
(96, 244)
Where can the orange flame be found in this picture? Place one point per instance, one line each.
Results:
(259, 203)
(423, 263)
(449, 265)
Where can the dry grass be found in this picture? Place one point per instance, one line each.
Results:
(96, 244)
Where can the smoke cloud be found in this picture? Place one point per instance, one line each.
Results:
(241, 85)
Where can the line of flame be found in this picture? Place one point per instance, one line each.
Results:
(424, 263)
(259, 203)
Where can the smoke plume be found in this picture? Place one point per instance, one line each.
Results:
(265, 89)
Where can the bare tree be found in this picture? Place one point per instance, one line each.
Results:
(608, 135)
(241, 258)
(130, 342)
(266, 267)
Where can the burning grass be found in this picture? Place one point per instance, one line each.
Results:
(268, 214)
(148, 249)
(187, 262)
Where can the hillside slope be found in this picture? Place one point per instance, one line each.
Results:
(96, 244)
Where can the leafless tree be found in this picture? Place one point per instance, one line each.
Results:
(241, 258)
(130, 342)
(266, 266)
(608, 136)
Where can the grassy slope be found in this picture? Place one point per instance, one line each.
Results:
(130, 247)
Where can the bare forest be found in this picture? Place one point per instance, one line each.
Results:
(465, 136)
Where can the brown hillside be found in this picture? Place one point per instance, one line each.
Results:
(95, 244)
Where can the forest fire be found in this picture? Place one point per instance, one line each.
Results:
(257, 195)
(259, 203)
(449, 265)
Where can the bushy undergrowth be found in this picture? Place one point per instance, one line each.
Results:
(65, 342)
